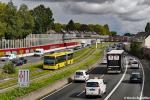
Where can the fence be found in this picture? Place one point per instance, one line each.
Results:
(35, 40)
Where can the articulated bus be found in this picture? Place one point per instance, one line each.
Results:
(57, 60)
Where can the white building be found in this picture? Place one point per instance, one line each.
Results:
(147, 42)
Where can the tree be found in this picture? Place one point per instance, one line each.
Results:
(70, 26)
(13, 27)
(2, 22)
(58, 27)
(98, 29)
(26, 21)
(77, 26)
(9, 68)
(113, 33)
(43, 18)
(147, 28)
(84, 28)
(136, 49)
(127, 34)
(105, 30)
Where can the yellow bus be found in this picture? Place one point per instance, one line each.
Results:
(57, 60)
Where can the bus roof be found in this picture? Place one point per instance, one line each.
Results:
(116, 52)
(58, 54)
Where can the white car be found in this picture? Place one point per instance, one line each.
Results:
(38, 52)
(135, 64)
(95, 87)
(8, 57)
(81, 75)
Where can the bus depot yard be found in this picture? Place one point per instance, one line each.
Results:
(39, 78)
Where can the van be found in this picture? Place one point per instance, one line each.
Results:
(38, 52)
(95, 87)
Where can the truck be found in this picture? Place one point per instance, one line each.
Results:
(86, 42)
(95, 87)
(115, 61)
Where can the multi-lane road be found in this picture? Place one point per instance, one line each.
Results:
(118, 86)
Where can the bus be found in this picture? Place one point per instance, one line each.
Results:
(57, 60)
(115, 61)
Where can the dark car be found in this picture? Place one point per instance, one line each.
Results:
(136, 77)
(19, 61)
(77, 47)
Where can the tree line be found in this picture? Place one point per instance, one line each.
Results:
(18, 23)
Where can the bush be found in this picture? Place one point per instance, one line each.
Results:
(9, 68)
(136, 49)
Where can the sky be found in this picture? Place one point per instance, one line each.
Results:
(121, 15)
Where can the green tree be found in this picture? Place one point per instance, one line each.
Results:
(113, 33)
(9, 68)
(77, 26)
(98, 29)
(105, 30)
(2, 22)
(58, 27)
(127, 34)
(136, 49)
(84, 27)
(70, 26)
(26, 21)
(147, 28)
(13, 27)
(43, 18)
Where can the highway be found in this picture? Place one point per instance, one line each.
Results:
(118, 87)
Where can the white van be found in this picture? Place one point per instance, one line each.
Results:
(8, 57)
(95, 87)
(38, 52)
(81, 75)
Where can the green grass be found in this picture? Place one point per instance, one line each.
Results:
(12, 94)
(34, 73)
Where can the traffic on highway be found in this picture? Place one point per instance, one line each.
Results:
(74, 50)
(125, 81)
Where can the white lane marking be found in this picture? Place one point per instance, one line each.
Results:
(109, 95)
(141, 94)
(84, 91)
(80, 93)
(56, 91)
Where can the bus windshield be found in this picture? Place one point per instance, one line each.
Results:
(113, 63)
(49, 60)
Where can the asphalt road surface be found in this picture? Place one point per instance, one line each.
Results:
(124, 91)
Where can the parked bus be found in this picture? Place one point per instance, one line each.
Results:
(115, 61)
(57, 60)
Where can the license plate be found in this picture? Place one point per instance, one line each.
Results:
(92, 89)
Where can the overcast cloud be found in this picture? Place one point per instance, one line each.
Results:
(121, 15)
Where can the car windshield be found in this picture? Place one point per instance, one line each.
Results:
(92, 84)
(37, 51)
(7, 55)
(79, 73)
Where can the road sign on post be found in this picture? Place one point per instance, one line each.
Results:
(23, 77)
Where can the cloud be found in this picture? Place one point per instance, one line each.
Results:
(121, 15)
(127, 10)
